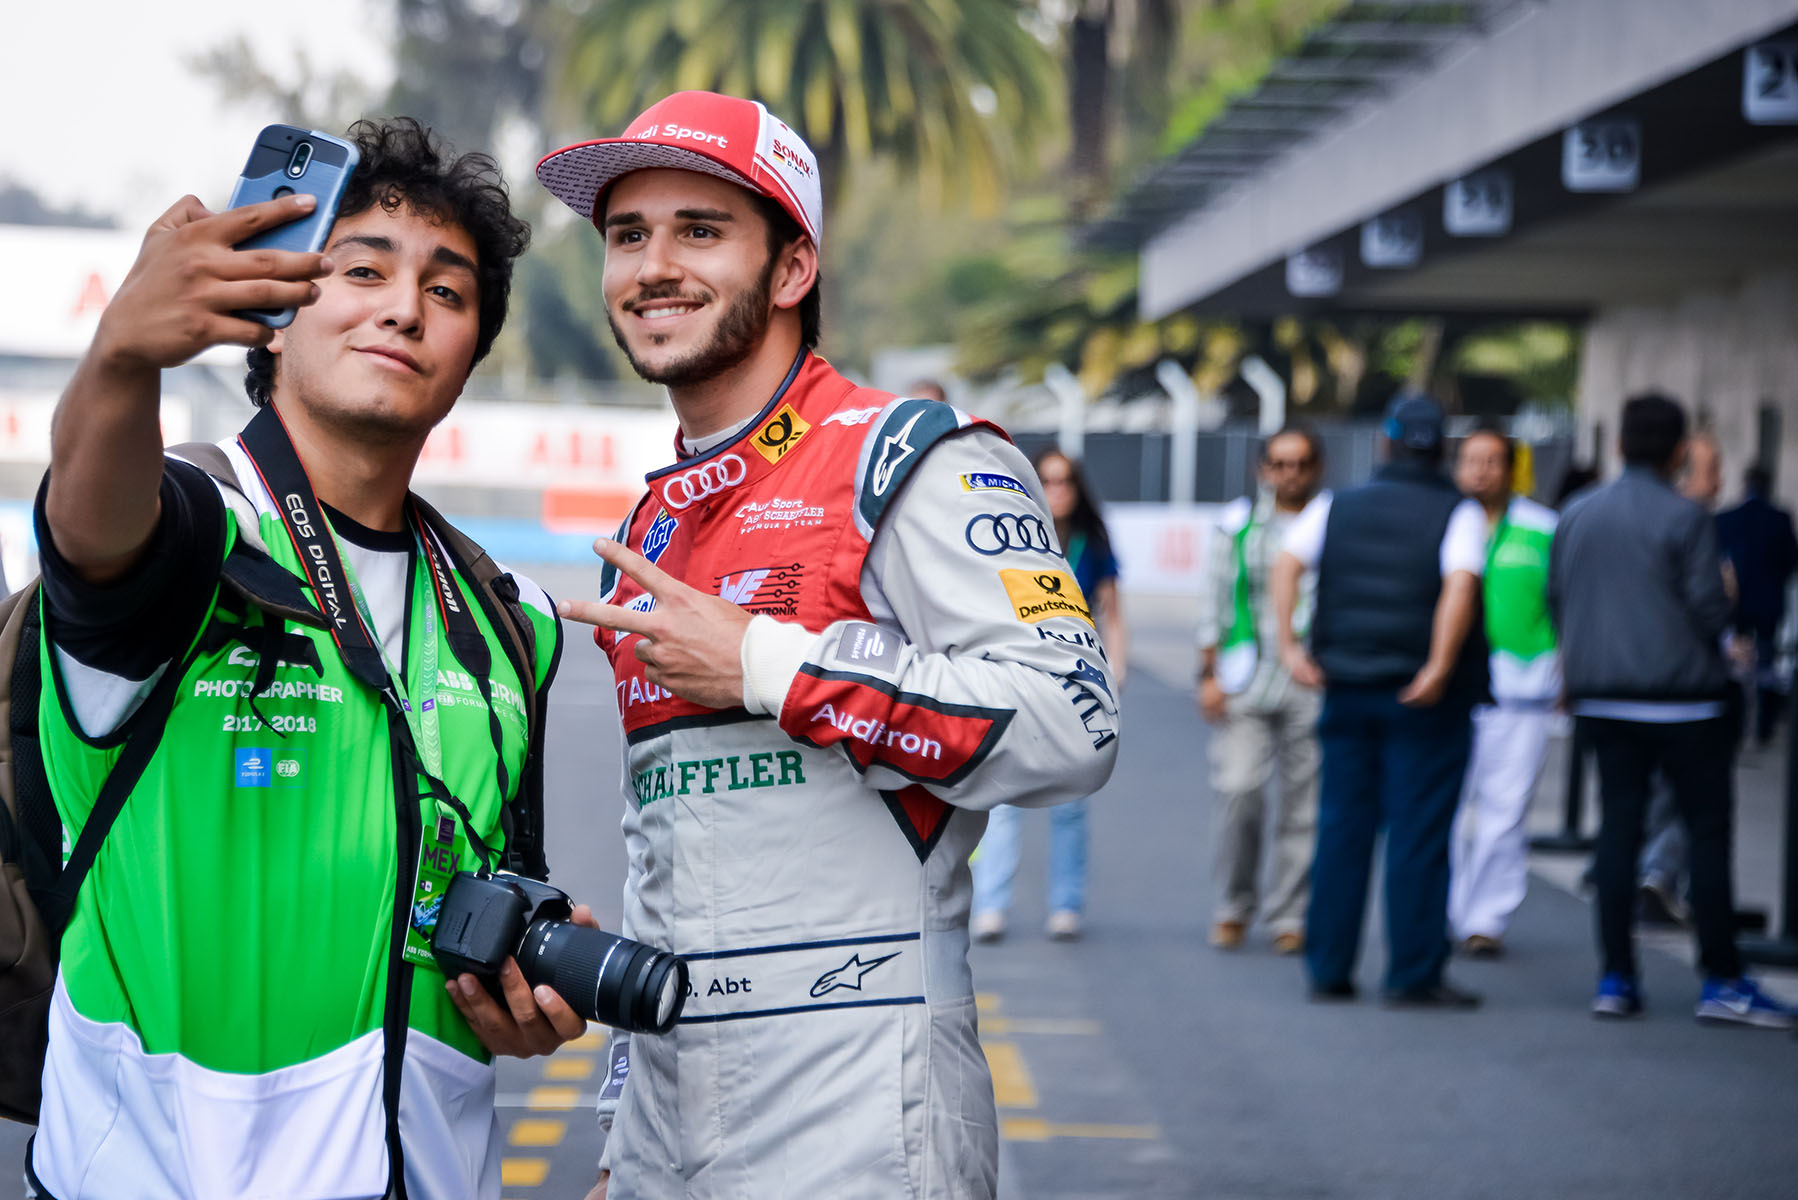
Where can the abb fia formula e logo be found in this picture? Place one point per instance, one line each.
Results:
(698, 483)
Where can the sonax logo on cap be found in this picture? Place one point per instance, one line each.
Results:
(734, 139)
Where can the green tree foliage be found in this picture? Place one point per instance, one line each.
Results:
(1144, 78)
(956, 92)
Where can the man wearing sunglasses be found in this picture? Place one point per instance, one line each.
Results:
(1262, 719)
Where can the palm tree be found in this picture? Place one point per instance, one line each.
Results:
(1118, 59)
(956, 91)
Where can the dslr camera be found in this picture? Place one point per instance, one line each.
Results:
(602, 976)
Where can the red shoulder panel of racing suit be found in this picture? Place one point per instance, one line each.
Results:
(766, 520)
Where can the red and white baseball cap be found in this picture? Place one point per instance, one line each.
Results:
(734, 139)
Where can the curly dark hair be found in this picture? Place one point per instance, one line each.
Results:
(403, 163)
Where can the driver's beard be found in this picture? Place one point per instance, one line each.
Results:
(740, 330)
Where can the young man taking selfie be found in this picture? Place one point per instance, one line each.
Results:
(242, 1004)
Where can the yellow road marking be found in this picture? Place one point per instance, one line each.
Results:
(590, 1041)
(571, 1067)
(1012, 1087)
(1050, 1025)
(986, 1002)
(538, 1131)
(1035, 1129)
(523, 1172)
(554, 1098)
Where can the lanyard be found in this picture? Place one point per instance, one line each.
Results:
(270, 450)
(418, 705)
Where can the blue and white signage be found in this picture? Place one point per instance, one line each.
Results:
(1602, 155)
(1478, 205)
(1314, 272)
(1393, 240)
(1770, 84)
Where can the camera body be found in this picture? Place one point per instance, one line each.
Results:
(484, 919)
(481, 921)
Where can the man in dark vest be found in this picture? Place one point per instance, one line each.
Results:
(1398, 652)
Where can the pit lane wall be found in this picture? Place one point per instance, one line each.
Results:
(1729, 355)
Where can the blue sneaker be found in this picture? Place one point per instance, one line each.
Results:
(1618, 997)
(1741, 1002)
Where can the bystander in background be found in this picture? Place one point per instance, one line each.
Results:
(1396, 646)
(1662, 875)
(1757, 541)
(1638, 597)
(1490, 854)
(1262, 717)
(1081, 533)
(928, 389)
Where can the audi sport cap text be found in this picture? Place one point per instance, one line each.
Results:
(734, 139)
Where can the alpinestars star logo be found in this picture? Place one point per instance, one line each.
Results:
(893, 451)
(850, 974)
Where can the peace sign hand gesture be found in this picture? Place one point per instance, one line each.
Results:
(690, 642)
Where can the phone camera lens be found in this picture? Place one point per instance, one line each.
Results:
(302, 156)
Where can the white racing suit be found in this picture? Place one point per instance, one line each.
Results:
(922, 654)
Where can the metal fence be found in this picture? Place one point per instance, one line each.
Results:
(1135, 466)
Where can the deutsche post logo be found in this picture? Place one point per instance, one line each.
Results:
(780, 434)
(1039, 595)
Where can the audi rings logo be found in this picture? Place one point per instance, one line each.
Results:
(995, 533)
(692, 486)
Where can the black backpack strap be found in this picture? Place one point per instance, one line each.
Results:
(36, 836)
(497, 593)
(140, 746)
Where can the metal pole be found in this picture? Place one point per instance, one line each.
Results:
(1066, 389)
(1783, 950)
(1571, 840)
(1270, 389)
(1183, 424)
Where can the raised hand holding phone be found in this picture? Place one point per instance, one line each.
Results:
(188, 289)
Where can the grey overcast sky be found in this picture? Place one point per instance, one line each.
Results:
(99, 108)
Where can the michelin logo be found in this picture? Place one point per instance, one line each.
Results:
(986, 481)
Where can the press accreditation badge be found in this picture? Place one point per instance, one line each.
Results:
(438, 854)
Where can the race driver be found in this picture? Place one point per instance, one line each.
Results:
(841, 631)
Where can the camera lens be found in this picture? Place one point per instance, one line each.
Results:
(302, 155)
(604, 977)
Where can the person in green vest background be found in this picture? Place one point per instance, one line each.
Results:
(1260, 716)
(1489, 860)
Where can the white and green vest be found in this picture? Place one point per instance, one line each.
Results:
(1525, 665)
(217, 1028)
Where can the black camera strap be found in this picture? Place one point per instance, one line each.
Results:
(270, 450)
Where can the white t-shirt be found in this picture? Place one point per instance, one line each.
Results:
(1463, 542)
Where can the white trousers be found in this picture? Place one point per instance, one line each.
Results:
(1489, 855)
